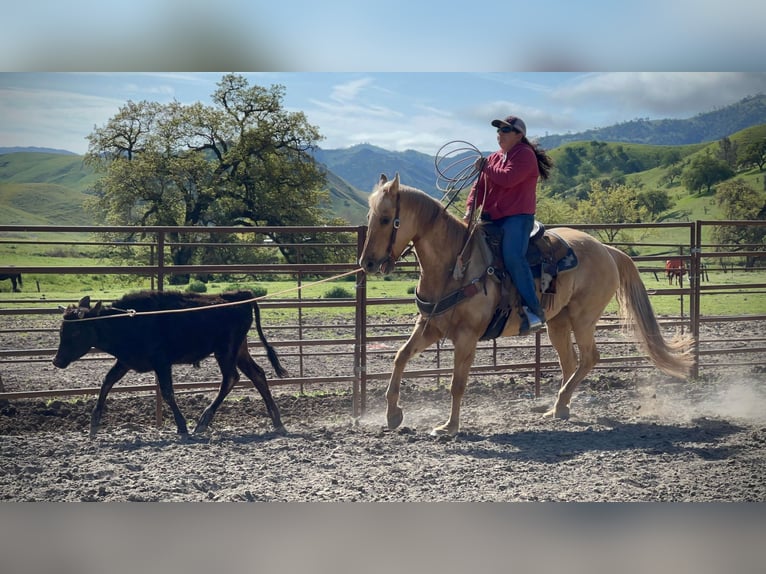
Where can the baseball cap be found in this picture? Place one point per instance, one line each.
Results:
(513, 122)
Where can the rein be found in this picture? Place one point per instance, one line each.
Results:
(429, 309)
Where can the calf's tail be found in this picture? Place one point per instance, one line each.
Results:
(272, 354)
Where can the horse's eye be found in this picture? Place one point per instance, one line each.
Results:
(385, 220)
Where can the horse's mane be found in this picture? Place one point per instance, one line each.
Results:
(427, 211)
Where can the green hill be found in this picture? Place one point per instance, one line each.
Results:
(44, 188)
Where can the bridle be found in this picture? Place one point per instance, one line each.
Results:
(394, 229)
(392, 240)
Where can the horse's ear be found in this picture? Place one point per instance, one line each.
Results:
(97, 308)
(395, 183)
(383, 179)
(84, 302)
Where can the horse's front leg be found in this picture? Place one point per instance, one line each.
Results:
(465, 350)
(421, 338)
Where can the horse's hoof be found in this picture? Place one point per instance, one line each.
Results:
(560, 413)
(444, 431)
(395, 418)
(280, 430)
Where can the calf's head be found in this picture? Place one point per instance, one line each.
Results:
(77, 335)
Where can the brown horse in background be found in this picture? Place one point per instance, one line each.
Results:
(675, 268)
(400, 214)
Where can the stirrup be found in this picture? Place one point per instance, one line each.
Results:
(535, 322)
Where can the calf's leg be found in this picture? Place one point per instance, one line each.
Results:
(229, 378)
(256, 374)
(117, 371)
(165, 381)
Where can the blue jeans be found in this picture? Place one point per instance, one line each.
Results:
(516, 230)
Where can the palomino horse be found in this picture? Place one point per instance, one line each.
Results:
(400, 214)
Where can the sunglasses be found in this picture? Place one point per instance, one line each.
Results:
(505, 130)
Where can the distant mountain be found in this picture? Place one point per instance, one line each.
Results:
(361, 166)
(346, 201)
(4, 150)
(704, 127)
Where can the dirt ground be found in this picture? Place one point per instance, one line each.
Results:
(633, 436)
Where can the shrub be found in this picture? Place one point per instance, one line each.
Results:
(338, 293)
(259, 291)
(196, 286)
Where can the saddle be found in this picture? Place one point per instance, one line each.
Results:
(548, 255)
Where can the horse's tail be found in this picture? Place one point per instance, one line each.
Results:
(674, 357)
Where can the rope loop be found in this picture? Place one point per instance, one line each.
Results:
(455, 168)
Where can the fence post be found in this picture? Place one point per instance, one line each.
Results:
(359, 392)
(160, 287)
(694, 288)
(160, 260)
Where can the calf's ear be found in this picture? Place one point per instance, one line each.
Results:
(84, 302)
(97, 308)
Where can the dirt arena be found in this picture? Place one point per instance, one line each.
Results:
(633, 436)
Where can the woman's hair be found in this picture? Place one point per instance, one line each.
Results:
(544, 161)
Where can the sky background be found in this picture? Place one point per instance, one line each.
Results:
(394, 35)
(393, 110)
(396, 74)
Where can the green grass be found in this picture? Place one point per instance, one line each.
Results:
(107, 286)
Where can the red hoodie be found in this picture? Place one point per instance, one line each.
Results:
(510, 182)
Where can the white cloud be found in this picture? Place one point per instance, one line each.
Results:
(349, 91)
(663, 93)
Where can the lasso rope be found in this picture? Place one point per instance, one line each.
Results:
(455, 168)
(455, 165)
(133, 313)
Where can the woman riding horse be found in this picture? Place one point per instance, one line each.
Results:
(400, 215)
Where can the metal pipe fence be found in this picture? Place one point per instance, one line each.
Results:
(349, 341)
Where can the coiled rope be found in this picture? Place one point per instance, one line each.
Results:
(455, 168)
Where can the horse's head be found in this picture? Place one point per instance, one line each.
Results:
(387, 237)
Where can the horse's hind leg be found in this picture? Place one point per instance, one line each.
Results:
(560, 335)
(586, 345)
(421, 338)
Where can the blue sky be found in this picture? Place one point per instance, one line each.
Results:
(392, 35)
(393, 110)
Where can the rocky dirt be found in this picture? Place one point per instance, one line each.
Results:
(633, 436)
